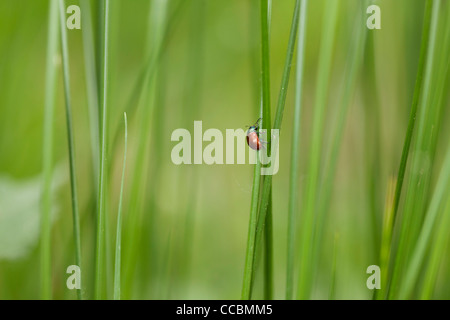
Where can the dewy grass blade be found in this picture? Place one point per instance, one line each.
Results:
(47, 151)
(70, 136)
(100, 240)
(119, 220)
(295, 155)
(312, 176)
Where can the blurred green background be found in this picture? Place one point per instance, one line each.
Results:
(192, 220)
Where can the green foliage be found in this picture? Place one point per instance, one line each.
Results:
(364, 150)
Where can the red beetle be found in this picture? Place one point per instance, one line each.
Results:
(253, 140)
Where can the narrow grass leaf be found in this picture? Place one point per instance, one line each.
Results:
(421, 166)
(47, 150)
(266, 16)
(119, 219)
(100, 240)
(415, 103)
(353, 66)
(419, 253)
(250, 254)
(70, 137)
(295, 154)
(158, 24)
(92, 87)
(266, 201)
(312, 176)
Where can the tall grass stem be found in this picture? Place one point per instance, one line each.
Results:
(47, 150)
(313, 170)
(295, 154)
(100, 240)
(118, 256)
(70, 138)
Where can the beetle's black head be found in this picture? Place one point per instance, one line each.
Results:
(252, 129)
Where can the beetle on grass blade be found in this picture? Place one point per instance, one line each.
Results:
(253, 139)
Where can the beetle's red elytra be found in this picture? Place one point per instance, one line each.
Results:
(253, 140)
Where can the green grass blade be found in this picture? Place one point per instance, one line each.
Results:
(268, 253)
(119, 219)
(332, 292)
(266, 16)
(438, 251)
(265, 68)
(249, 267)
(295, 154)
(99, 22)
(259, 224)
(443, 183)
(267, 183)
(312, 176)
(386, 239)
(47, 151)
(91, 86)
(421, 164)
(149, 68)
(441, 238)
(70, 137)
(419, 253)
(100, 240)
(373, 151)
(287, 68)
(158, 25)
(194, 76)
(415, 103)
(250, 254)
(353, 65)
